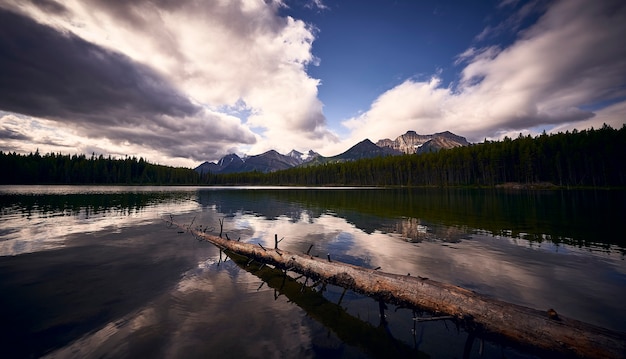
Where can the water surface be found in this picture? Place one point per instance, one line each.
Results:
(95, 272)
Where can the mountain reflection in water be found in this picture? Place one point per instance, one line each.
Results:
(93, 271)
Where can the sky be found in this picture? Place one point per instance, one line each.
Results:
(180, 82)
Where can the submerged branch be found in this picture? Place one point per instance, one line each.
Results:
(349, 329)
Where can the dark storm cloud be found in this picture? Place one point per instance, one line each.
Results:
(13, 135)
(50, 6)
(46, 73)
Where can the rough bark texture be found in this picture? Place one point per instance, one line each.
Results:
(519, 324)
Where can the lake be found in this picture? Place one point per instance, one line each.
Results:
(96, 272)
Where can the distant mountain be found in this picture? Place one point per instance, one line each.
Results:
(228, 164)
(411, 142)
(444, 140)
(207, 167)
(363, 149)
(303, 157)
(407, 143)
(271, 160)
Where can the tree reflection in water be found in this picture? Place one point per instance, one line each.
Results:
(375, 340)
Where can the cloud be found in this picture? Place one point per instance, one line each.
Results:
(10, 130)
(48, 73)
(150, 73)
(222, 53)
(566, 63)
(613, 115)
(185, 144)
(102, 94)
(316, 4)
(513, 23)
(50, 6)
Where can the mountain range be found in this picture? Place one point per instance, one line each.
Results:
(411, 142)
(408, 143)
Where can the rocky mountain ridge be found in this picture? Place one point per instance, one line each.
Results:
(266, 162)
(411, 142)
(363, 149)
(408, 143)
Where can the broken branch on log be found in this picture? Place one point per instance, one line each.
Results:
(276, 241)
(529, 327)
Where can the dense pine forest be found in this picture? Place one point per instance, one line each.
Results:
(589, 158)
(80, 169)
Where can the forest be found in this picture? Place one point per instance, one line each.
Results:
(79, 169)
(588, 158)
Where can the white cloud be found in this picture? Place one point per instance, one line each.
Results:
(512, 24)
(158, 143)
(317, 4)
(401, 108)
(220, 54)
(614, 116)
(568, 61)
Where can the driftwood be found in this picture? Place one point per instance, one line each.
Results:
(545, 331)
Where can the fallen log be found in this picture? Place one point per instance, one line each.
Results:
(542, 330)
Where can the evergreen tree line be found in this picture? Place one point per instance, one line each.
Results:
(78, 169)
(594, 158)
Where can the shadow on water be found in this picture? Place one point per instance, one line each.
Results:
(376, 341)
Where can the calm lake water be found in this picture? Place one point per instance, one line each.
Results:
(95, 271)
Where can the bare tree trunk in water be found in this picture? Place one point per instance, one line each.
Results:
(543, 330)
